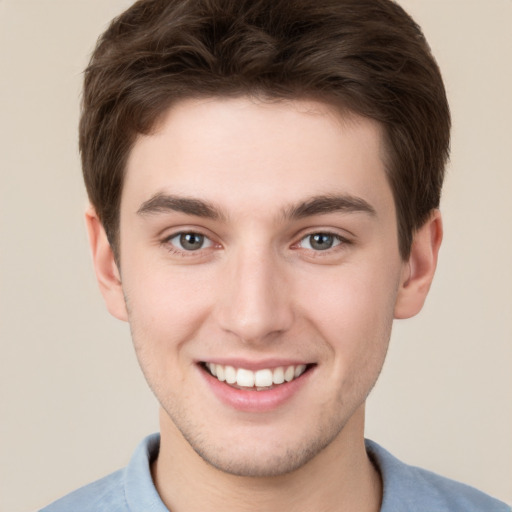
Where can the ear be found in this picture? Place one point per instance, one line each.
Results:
(107, 273)
(419, 270)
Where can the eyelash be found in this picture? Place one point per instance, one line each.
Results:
(338, 243)
(167, 242)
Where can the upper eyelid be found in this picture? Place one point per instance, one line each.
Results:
(346, 236)
(323, 232)
(176, 250)
(339, 238)
(175, 234)
(168, 233)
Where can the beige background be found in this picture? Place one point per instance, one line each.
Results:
(73, 403)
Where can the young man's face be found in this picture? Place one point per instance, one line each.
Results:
(258, 237)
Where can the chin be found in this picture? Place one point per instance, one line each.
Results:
(256, 466)
(261, 458)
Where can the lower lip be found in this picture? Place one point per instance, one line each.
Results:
(252, 400)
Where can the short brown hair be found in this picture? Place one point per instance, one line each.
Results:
(366, 56)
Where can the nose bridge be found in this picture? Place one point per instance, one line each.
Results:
(256, 304)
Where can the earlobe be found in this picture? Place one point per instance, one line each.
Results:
(419, 270)
(107, 272)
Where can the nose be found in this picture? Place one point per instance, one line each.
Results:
(256, 303)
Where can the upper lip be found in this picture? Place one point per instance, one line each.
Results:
(254, 365)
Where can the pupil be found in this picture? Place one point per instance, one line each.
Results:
(321, 241)
(191, 241)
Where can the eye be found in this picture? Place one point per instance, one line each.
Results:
(189, 241)
(320, 241)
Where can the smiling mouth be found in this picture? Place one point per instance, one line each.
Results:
(259, 380)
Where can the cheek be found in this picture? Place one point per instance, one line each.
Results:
(354, 314)
(165, 310)
(353, 294)
(166, 295)
(165, 313)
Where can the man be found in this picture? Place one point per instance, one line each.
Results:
(264, 179)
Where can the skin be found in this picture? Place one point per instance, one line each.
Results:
(258, 291)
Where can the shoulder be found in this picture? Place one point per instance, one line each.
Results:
(103, 495)
(129, 489)
(410, 488)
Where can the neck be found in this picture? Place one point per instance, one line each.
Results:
(340, 478)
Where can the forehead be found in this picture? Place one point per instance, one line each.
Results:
(247, 152)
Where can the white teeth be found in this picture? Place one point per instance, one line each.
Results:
(230, 374)
(245, 378)
(264, 378)
(299, 370)
(278, 375)
(220, 372)
(289, 374)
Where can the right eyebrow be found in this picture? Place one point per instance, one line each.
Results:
(162, 203)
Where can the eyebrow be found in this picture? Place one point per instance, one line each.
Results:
(162, 203)
(321, 205)
(317, 205)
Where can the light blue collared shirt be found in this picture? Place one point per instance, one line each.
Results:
(406, 488)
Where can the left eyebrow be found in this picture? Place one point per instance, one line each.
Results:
(321, 205)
